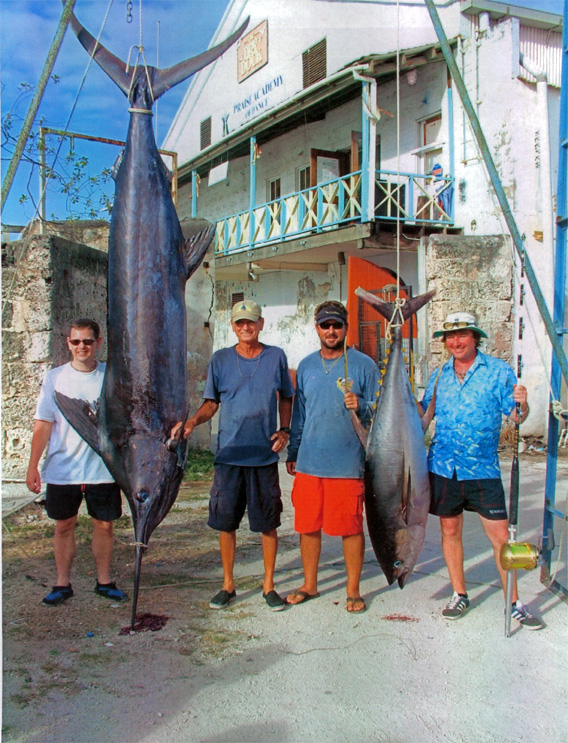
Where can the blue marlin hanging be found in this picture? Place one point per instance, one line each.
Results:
(145, 389)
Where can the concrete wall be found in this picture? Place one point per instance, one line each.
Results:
(46, 283)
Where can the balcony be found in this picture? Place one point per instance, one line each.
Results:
(407, 197)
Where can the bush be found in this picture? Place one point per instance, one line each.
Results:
(199, 465)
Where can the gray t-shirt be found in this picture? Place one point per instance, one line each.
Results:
(246, 390)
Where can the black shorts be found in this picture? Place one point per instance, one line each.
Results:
(102, 499)
(236, 489)
(451, 497)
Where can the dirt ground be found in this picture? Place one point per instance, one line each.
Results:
(397, 673)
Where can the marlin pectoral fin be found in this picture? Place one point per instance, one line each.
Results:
(166, 79)
(80, 414)
(198, 234)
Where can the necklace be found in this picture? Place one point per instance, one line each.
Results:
(247, 376)
(327, 369)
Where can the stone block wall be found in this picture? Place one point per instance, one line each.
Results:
(47, 282)
(472, 274)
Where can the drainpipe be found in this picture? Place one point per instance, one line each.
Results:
(370, 114)
(544, 195)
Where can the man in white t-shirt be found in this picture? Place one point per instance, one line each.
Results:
(72, 469)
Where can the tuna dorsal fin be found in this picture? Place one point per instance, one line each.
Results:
(162, 80)
(386, 309)
(171, 76)
(82, 417)
(198, 234)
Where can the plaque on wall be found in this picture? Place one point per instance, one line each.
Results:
(252, 51)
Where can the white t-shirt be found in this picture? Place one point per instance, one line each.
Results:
(70, 460)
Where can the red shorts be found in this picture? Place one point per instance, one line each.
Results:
(333, 504)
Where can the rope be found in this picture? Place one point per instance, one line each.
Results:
(141, 53)
(397, 151)
(57, 152)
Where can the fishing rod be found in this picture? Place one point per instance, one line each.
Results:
(515, 555)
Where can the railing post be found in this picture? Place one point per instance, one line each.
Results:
(252, 188)
(194, 178)
(368, 166)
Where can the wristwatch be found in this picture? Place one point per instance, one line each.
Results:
(285, 429)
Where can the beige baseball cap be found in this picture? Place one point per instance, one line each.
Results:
(246, 310)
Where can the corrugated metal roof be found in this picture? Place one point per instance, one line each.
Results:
(544, 48)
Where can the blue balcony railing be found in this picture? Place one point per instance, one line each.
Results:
(410, 197)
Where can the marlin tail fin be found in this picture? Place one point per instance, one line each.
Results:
(162, 80)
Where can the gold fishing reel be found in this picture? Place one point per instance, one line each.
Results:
(517, 555)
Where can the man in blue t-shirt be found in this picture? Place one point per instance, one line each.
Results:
(325, 455)
(251, 384)
(470, 394)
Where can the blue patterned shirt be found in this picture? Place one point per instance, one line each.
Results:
(469, 418)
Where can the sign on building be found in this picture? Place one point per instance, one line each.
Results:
(252, 51)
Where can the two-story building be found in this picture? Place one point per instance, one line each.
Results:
(332, 150)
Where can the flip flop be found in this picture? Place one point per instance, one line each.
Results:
(351, 601)
(302, 595)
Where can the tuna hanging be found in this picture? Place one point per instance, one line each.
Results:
(397, 487)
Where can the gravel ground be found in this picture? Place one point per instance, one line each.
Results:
(398, 673)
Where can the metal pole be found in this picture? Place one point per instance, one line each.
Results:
(252, 188)
(551, 328)
(36, 100)
(559, 306)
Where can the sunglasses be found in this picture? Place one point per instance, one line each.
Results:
(334, 325)
(456, 325)
(77, 341)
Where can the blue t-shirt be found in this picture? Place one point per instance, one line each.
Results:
(246, 390)
(469, 418)
(323, 441)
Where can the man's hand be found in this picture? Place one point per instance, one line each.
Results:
(176, 432)
(33, 480)
(291, 468)
(351, 401)
(520, 394)
(280, 439)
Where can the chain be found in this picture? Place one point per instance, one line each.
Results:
(129, 11)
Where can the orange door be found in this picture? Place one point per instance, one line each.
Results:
(367, 328)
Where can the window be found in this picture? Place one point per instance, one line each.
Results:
(303, 178)
(430, 130)
(273, 189)
(314, 63)
(205, 133)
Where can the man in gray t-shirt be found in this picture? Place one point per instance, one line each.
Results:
(251, 384)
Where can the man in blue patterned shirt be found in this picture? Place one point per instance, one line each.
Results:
(471, 392)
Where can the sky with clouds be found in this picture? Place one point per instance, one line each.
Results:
(27, 29)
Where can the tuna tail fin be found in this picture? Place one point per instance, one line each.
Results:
(387, 309)
(80, 414)
(198, 234)
(162, 80)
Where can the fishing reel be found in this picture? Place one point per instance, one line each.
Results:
(517, 555)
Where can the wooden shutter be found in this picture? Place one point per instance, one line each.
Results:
(205, 133)
(314, 63)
